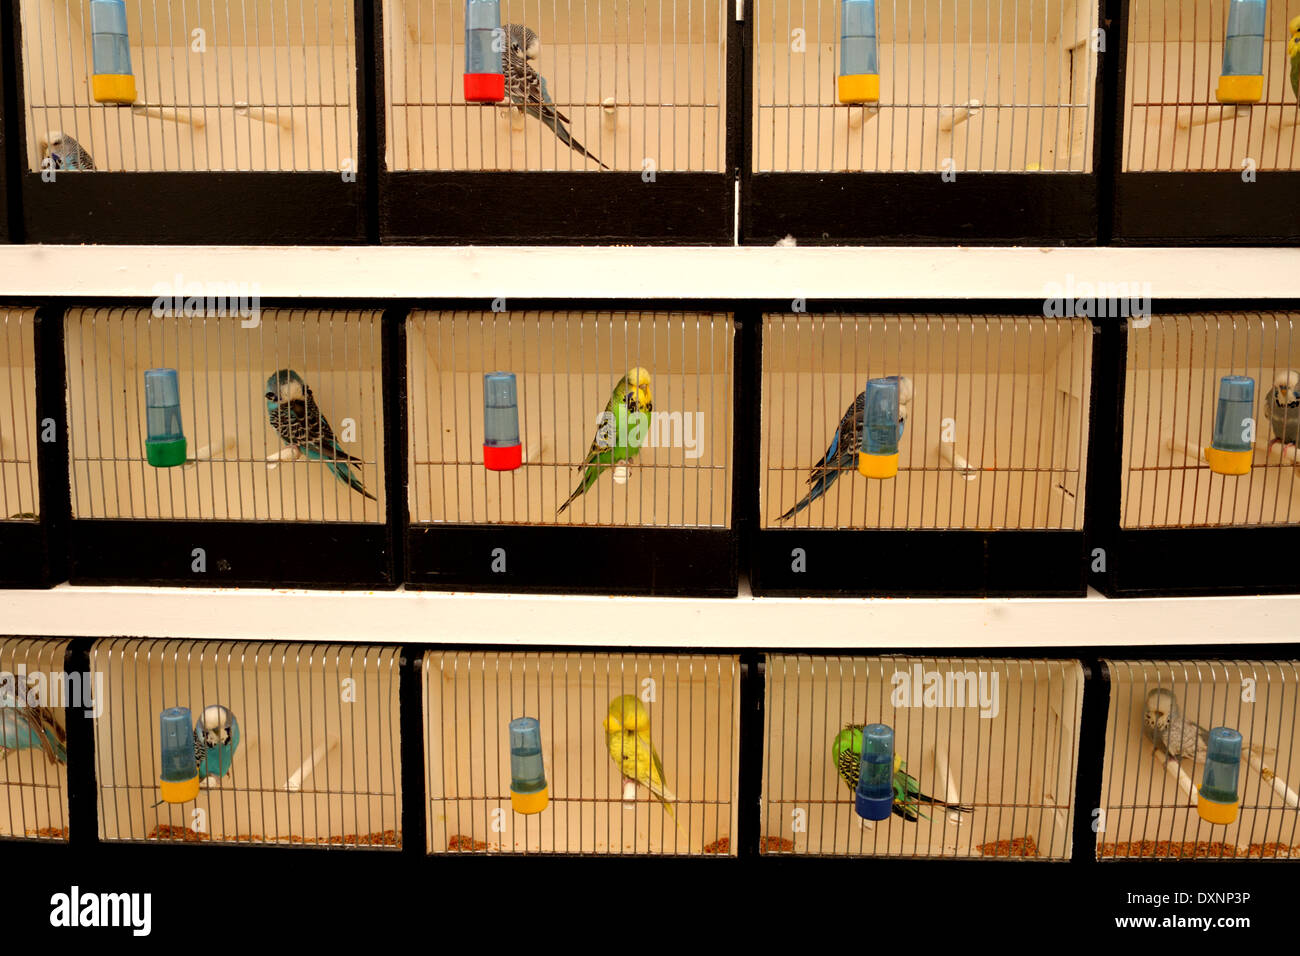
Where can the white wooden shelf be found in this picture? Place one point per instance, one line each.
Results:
(512, 619)
(601, 272)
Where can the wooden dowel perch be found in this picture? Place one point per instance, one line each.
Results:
(609, 109)
(954, 117)
(858, 115)
(1180, 447)
(629, 794)
(265, 114)
(170, 114)
(948, 452)
(294, 783)
(1194, 118)
(1285, 121)
(229, 443)
(1289, 796)
(1285, 454)
(1175, 770)
(943, 775)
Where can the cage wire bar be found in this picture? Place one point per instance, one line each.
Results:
(995, 741)
(965, 85)
(19, 490)
(691, 703)
(1170, 395)
(637, 82)
(567, 366)
(1150, 797)
(33, 702)
(318, 757)
(994, 435)
(261, 86)
(238, 465)
(1173, 121)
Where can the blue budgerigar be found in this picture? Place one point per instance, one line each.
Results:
(293, 413)
(65, 153)
(216, 738)
(527, 90)
(24, 726)
(842, 454)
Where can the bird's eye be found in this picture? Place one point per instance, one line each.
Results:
(270, 396)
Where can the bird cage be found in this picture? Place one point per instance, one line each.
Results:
(287, 744)
(181, 121)
(620, 442)
(923, 121)
(228, 446)
(1209, 122)
(581, 753)
(981, 763)
(1210, 423)
(34, 699)
(1170, 790)
(986, 420)
(546, 121)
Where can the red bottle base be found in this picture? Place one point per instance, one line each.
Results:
(485, 87)
(508, 458)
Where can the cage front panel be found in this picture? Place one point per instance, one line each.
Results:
(1182, 525)
(985, 756)
(34, 697)
(988, 495)
(1195, 167)
(22, 540)
(243, 126)
(1161, 714)
(612, 125)
(316, 762)
(626, 425)
(278, 474)
(983, 130)
(662, 782)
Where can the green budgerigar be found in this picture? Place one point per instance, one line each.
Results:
(908, 797)
(622, 429)
(1293, 52)
(627, 736)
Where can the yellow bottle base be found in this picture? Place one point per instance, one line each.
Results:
(529, 802)
(113, 88)
(1228, 462)
(1212, 812)
(179, 791)
(1240, 89)
(860, 88)
(877, 466)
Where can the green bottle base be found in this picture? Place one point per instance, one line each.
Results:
(165, 452)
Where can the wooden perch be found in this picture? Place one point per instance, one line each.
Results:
(294, 783)
(171, 114)
(609, 107)
(948, 119)
(629, 794)
(944, 776)
(1180, 447)
(1175, 770)
(1284, 121)
(1285, 453)
(288, 453)
(858, 115)
(1226, 112)
(270, 115)
(208, 452)
(1289, 796)
(948, 452)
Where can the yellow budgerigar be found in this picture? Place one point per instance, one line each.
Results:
(627, 735)
(1293, 54)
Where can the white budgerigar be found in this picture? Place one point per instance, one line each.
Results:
(1282, 407)
(1169, 729)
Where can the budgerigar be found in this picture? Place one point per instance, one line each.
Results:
(216, 738)
(846, 751)
(27, 727)
(527, 90)
(1293, 53)
(65, 153)
(293, 413)
(623, 427)
(627, 735)
(1169, 729)
(842, 455)
(1282, 407)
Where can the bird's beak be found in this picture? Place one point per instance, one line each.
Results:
(610, 725)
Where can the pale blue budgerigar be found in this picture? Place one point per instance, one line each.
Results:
(842, 455)
(1282, 407)
(527, 90)
(216, 738)
(25, 726)
(293, 413)
(65, 153)
(1167, 727)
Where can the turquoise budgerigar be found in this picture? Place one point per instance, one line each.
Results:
(27, 727)
(65, 153)
(623, 427)
(527, 90)
(293, 413)
(842, 454)
(627, 737)
(846, 752)
(216, 738)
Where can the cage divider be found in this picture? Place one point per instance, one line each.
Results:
(749, 789)
(415, 801)
(83, 787)
(394, 452)
(52, 457)
(1105, 448)
(10, 105)
(1092, 750)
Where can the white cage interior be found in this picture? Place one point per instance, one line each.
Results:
(224, 368)
(318, 759)
(995, 437)
(33, 788)
(693, 704)
(1170, 397)
(567, 365)
(971, 85)
(1150, 800)
(998, 736)
(19, 493)
(258, 86)
(1172, 120)
(643, 84)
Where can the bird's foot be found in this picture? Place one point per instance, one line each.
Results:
(291, 453)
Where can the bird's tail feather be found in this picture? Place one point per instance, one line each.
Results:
(818, 489)
(350, 478)
(555, 121)
(588, 479)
